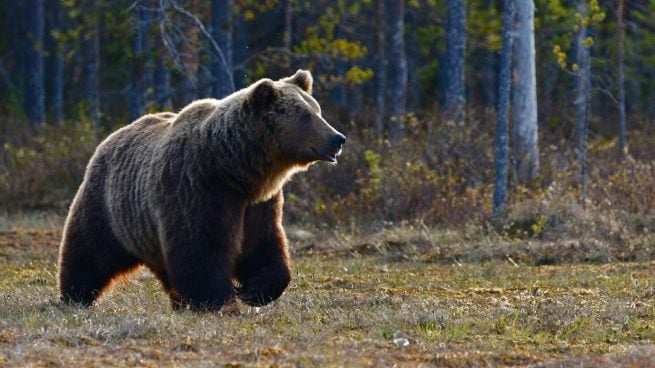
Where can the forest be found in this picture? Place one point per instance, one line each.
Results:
(494, 204)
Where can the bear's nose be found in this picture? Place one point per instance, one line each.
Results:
(338, 140)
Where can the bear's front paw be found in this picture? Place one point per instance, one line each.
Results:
(258, 291)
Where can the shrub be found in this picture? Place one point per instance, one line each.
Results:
(438, 176)
(43, 167)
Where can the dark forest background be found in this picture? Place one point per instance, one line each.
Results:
(416, 85)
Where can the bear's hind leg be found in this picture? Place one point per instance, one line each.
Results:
(262, 269)
(90, 257)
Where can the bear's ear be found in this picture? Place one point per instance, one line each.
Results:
(302, 79)
(264, 93)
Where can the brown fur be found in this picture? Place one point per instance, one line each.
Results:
(197, 197)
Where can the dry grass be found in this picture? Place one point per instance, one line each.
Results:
(354, 301)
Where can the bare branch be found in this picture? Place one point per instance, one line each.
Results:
(134, 5)
(209, 37)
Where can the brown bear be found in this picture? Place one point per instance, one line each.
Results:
(197, 197)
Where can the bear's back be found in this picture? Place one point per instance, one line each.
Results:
(122, 167)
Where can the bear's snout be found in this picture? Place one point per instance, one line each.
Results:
(338, 140)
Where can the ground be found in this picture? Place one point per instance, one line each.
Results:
(349, 304)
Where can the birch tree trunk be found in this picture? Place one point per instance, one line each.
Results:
(455, 56)
(524, 95)
(380, 70)
(583, 88)
(221, 31)
(34, 73)
(502, 136)
(623, 144)
(398, 68)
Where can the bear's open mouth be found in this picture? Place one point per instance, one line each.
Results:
(330, 158)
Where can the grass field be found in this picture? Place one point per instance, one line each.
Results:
(351, 303)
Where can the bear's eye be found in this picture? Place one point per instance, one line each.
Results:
(306, 119)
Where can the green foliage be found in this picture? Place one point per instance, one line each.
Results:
(484, 27)
(553, 25)
(356, 75)
(594, 16)
(530, 227)
(329, 44)
(429, 34)
(640, 53)
(371, 184)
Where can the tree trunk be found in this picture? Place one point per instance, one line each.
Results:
(455, 56)
(583, 88)
(380, 70)
(190, 58)
(58, 64)
(340, 91)
(34, 75)
(240, 51)
(288, 25)
(162, 85)
(15, 31)
(91, 50)
(623, 144)
(489, 78)
(398, 68)
(221, 30)
(524, 95)
(504, 86)
(137, 83)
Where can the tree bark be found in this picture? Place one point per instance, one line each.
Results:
(504, 86)
(623, 144)
(398, 68)
(15, 30)
(340, 90)
(137, 83)
(489, 77)
(524, 95)
(221, 31)
(190, 58)
(58, 64)
(582, 100)
(455, 57)
(288, 25)
(91, 55)
(162, 85)
(34, 74)
(380, 70)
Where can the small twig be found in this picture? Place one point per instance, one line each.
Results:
(209, 37)
(133, 6)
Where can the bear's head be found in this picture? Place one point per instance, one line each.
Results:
(300, 134)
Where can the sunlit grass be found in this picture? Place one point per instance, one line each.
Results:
(345, 306)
